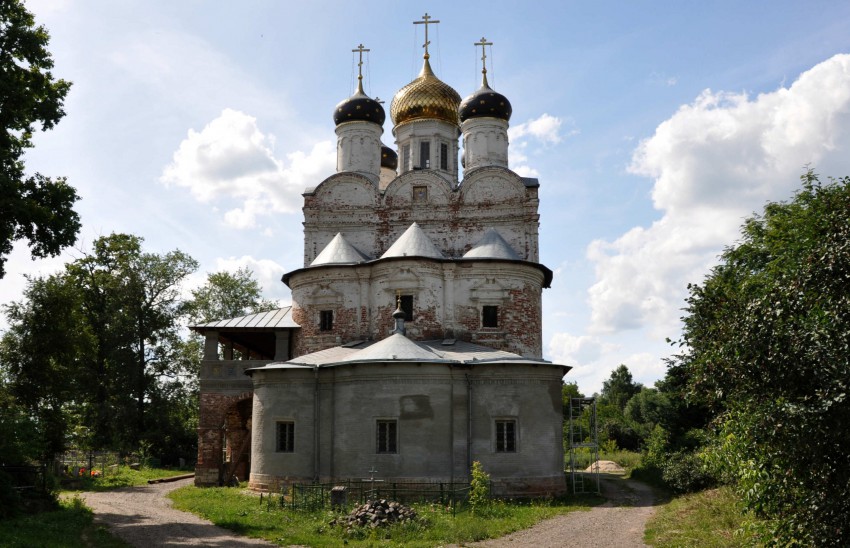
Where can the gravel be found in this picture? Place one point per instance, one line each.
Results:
(620, 522)
(143, 517)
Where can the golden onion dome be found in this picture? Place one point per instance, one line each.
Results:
(427, 97)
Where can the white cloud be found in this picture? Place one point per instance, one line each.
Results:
(545, 128)
(267, 272)
(231, 160)
(714, 162)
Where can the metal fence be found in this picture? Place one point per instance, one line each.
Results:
(26, 478)
(315, 496)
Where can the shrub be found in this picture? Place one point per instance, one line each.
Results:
(479, 487)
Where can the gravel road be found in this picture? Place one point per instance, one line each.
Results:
(619, 522)
(143, 517)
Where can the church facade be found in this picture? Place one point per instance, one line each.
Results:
(413, 344)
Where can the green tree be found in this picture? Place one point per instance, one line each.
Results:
(43, 357)
(767, 353)
(620, 387)
(92, 350)
(132, 304)
(227, 295)
(35, 208)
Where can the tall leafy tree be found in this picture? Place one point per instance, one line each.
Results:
(227, 295)
(768, 353)
(132, 303)
(91, 350)
(36, 208)
(620, 387)
(43, 357)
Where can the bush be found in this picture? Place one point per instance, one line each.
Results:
(479, 487)
(686, 473)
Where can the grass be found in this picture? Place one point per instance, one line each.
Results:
(706, 519)
(122, 476)
(70, 526)
(243, 513)
(627, 459)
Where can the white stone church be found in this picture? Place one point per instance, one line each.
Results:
(413, 345)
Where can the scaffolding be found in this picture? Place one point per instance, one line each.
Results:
(584, 446)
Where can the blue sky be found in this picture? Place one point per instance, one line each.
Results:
(655, 128)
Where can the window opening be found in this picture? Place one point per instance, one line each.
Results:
(286, 437)
(490, 316)
(444, 156)
(505, 436)
(387, 434)
(420, 194)
(326, 320)
(407, 307)
(425, 155)
(405, 158)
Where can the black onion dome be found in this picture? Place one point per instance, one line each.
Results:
(359, 108)
(388, 157)
(485, 103)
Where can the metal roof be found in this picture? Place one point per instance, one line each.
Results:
(279, 318)
(339, 251)
(413, 243)
(398, 348)
(492, 246)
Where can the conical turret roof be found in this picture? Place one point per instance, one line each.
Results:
(413, 243)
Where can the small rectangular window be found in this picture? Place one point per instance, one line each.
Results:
(505, 436)
(490, 316)
(285, 437)
(420, 194)
(405, 158)
(425, 154)
(444, 156)
(407, 307)
(326, 320)
(387, 436)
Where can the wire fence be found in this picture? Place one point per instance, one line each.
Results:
(346, 493)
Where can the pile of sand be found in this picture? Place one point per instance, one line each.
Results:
(606, 467)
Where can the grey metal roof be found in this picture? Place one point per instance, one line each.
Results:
(413, 243)
(398, 348)
(394, 347)
(492, 246)
(339, 251)
(272, 319)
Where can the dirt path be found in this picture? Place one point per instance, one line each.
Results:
(143, 517)
(620, 522)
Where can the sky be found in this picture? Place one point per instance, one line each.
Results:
(655, 129)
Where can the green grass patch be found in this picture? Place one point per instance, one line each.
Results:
(243, 513)
(627, 459)
(70, 526)
(117, 477)
(708, 519)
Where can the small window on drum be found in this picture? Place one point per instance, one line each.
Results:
(326, 320)
(490, 316)
(285, 437)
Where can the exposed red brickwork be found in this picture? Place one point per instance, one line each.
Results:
(223, 422)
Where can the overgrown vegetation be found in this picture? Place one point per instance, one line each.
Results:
(70, 526)
(122, 476)
(708, 519)
(243, 513)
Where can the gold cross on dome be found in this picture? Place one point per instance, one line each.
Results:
(483, 43)
(360, 49)
(426, 20)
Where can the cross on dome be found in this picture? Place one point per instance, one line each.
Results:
(426, 20)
